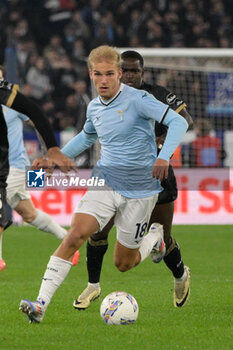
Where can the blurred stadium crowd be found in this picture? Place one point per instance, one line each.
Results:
(54, 37)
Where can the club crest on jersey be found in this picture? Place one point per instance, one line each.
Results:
(171, 98)
(120, 112)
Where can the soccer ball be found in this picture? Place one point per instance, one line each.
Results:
(119, 308)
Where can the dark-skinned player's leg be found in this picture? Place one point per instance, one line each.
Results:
(163, 213)
(97, 246)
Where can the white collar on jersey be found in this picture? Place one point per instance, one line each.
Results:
(107, 102)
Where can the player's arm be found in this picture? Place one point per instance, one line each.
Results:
(42, 143)
(72, 149)
(78, 144)
(161, 130)
(184, 113)
(85, 139)
(12, 98)
(177, 126)
(151, 108)
(174, 102)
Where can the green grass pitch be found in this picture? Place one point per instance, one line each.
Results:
(206, 322)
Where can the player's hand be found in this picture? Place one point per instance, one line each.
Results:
(64, 163)
(160, 170)
(42, 162)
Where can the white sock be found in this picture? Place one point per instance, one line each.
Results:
(147, 244)
(1, 246)
(56, 272)
(182, 278)
(45, 223)
(95, 285)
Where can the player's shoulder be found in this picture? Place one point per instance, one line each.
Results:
(166, 96)
(152, 88)
(158, 91)
(93, 104)
(136, 93)
(93, 101)
(161, 89)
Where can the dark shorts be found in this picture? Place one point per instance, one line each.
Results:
(3, 220)
(169, 194)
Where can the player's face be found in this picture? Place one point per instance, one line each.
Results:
(1, 74)
(106, 78)
(132, 72)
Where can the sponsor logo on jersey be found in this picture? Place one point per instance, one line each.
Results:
(171, 98)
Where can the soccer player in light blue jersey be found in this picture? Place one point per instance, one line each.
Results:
(11, 97)
(17, 196)
(123, 119)
(97, 244)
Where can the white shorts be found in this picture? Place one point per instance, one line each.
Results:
(16, 188)
(131, 215)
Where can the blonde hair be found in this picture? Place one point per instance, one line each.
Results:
(104, 53)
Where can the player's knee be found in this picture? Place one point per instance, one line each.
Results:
(77, 235)
(123, 266)
(98, 239)
(99, 236)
